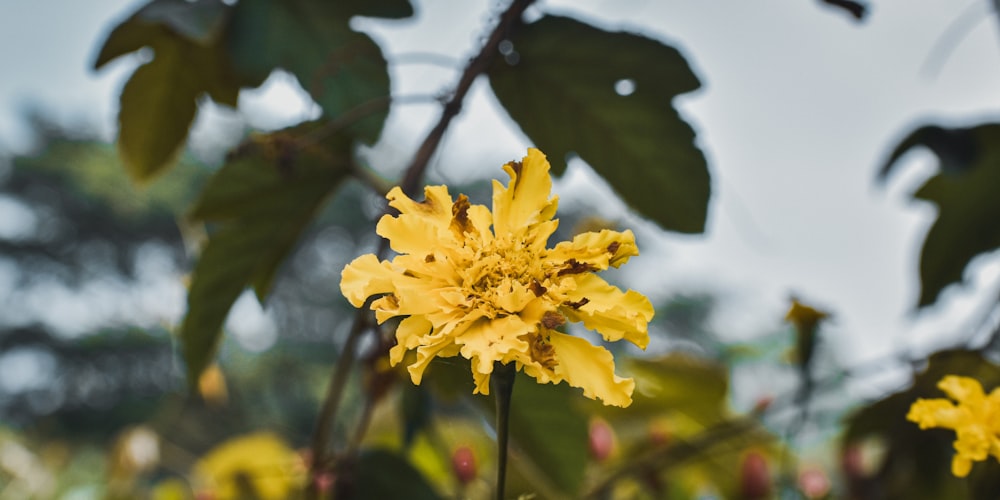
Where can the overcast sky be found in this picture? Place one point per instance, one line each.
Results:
(800, 105)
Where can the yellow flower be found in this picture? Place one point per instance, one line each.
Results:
(975, 419)
(484, 285)
(256, 465)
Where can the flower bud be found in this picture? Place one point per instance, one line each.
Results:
(813, 482)
(602, 440)
(755, 479)
(463, 464)
(761, 405)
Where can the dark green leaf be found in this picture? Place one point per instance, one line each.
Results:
(159, 101)
(918, 462)
(156, 110)
(384, 475)
(199, 22)
(263, 200)
(547, 425)
(559, 85)
(390, 9)
(128, 37)
(415, 409)
(340, 68)
(679, 383)
(965, 192)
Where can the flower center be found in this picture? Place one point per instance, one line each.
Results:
(497, 273)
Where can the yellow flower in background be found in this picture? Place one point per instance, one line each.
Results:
(974, 416)
(484, 285)
(256, 465)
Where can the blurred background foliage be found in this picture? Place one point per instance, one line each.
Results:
(127, 404)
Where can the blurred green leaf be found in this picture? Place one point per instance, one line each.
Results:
(416, 409)
(559, 85)
(262, 199)
(199, 21)
(917, 463)
(679, 383)
(548, 426)
(965, 192)
(159, 101)
(384, 475)
(340, 68)
(390, 9)
(156, 110)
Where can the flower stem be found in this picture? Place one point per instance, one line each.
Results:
(503, 387)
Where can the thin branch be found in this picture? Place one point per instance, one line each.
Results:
(956, 31)
(477, 66)
(677, 453)
(429, 58)
(358, 113)
(334, 394)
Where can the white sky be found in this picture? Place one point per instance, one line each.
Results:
(799, 107)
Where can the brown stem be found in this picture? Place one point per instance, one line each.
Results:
(334, 394)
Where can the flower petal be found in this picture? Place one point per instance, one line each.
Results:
(525, 200)
(366, 276)
(487, 341)
(482, 381)
(960, 466)
(408, 336)
(591, 368)
(600, 250)
(436, 207)
(962, 389)
(426, 354)
(613, 314)
(408, 234)
(928, 413)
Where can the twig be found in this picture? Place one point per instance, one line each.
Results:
(477, 66)
(429, 58)
(676, 453)
(358, 113)
(334, 395)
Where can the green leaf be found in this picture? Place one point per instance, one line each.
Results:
(547, 425)
(384, 475)
(965, 192)
(156, 111)
(262, 200)
(201, 21)
(389, 9)
(679, 383)
(918, 462)
(159, 101)
(340, 68)
(559, 86)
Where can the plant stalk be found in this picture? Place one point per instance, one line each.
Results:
(502, 383)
